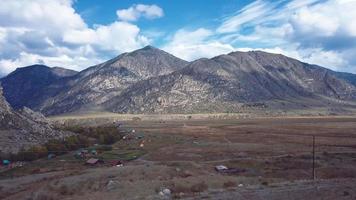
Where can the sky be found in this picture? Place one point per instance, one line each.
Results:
(77, 34)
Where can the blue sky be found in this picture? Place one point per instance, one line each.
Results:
(183, 13)
(79, 33)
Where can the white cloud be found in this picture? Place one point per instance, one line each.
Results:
(317, 31)
(40, 14)
(118, 36)
(140, 10)
(53, 33)
(26, 59)
(252, 13)
(191, 45)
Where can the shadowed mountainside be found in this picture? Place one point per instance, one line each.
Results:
(29, 86)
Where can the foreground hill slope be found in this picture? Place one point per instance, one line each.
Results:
(23, 128)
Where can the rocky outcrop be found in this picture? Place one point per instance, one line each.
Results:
(24, 128)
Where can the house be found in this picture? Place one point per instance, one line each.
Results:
(51, 155)
(6, 162)
(93, 161)
(93, 152)
(224, 169)
(220, 168)
(116, 163)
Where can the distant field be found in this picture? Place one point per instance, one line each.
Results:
(100, 118)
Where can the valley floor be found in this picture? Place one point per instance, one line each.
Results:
(273, 158)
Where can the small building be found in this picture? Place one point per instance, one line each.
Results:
(224, 169)
(93, 161)
(140, 136)
(51, 155)
(6, 162)
(116, 163)
(220, 168)
(85, 151)
(93, 152)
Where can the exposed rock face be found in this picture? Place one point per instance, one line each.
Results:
(234, 82)
(29, 86)
(351, 78)
(24, 128)
(4, 106)
(97, 84)
(150, 80)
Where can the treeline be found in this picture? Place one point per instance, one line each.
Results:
(104, 135)
(85, 137)
(54, 146)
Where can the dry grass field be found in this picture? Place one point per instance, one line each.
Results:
(273, 157)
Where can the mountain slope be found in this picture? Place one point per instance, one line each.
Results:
(351, 78)
(24, 128)
(233, 83)
(150, 80)
(99, 83)
(28, 86)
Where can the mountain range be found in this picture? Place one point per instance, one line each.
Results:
(150, 80)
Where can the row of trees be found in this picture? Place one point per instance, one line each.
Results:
(104, 135)
(52, 146)
(85, 137)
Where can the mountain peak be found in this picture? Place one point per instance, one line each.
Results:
(31, 67)
(149, 47)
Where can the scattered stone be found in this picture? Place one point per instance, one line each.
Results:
(111, 185)
(166, 191)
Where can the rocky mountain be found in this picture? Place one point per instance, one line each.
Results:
(29, 86)
(95, 85)
(23, 128)
(237, 82)
(351, 78)
(150, 80)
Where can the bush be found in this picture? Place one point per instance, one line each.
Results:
(104, 135)
(32, 153)
(199, 187)
(136, 119)
(265, 183)
(56, 146)
(196, 188)
(230, 184)
(104, 148)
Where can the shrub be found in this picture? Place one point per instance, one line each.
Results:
(56, 146)
(32, 153)
(229, 184)
(199, 187)
(104, 148)
(136, 119)
(265, 183)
